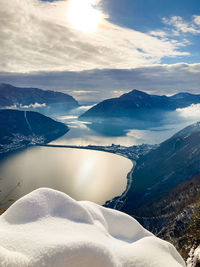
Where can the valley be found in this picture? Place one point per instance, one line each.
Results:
(155, 173)
(99, 133)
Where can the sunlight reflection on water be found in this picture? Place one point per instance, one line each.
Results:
(82, 174)
(83, 134)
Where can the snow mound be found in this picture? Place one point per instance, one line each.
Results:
(48, 228)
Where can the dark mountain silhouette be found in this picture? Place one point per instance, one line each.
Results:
(175, 216)
(174, 161)
(44, 101)
(22, 128)
(140, 105)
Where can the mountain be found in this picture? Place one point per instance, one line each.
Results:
(44, 101)
(174, 161)
(21, 128)
(137, 104)
(182, 100)
(165, 192)
(175, 216)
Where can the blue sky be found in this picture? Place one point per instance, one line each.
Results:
(96, 49)
(147, 15)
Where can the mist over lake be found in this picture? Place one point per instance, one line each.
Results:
(125, 132)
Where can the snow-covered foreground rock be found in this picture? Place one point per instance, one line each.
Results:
(194, 257)
(48, 228)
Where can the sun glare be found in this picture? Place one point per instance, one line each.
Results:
(83, 16)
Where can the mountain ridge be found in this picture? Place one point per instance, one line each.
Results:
(22, 128)
(137, 104)
(175, 216)
(28, 98)
(175, 160)
(172, 162)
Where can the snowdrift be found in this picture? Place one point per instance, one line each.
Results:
(48, 228)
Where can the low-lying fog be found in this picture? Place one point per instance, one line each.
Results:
(125, 132)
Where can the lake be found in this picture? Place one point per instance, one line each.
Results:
(121, 133)
(82, 174)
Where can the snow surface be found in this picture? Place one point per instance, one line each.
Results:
(194, 257)
(48, 228)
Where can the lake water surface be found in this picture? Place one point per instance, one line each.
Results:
(86, 133)
(82, 174)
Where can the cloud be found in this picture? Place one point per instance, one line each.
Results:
(80, 110)
(182, 26)
(35, 105)
(191, 112)
(101, 84)
(158, 33)
(37, 36)
(83, 92)
(11, 107)
(196, 19)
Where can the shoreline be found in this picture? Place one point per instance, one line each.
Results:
(132, 153)
(118, 201)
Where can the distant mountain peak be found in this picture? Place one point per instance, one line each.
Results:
(6, 85)
(140, 106)
(51, 102)
(135, 93)
(182, 95)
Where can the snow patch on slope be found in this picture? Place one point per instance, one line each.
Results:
(194, 257)
(48, 228)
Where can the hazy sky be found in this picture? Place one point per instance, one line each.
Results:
(95, 49)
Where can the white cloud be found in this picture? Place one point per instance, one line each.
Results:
(34, 105)
(80, 110)
(158, 33)
(184, 26)
(106, 83)
(36, 36)
(81, 92)
(191, 112)
(196, 19)
(11, 107)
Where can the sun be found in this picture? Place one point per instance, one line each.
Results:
(83, 16)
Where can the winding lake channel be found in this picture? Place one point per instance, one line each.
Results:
(83, 174)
